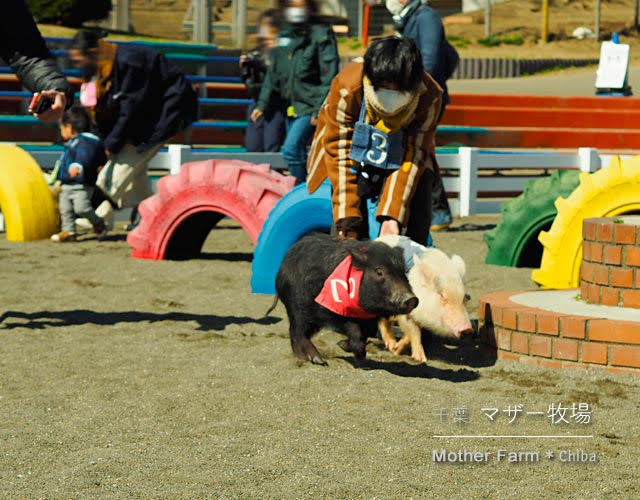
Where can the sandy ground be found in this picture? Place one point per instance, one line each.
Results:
(124, 378)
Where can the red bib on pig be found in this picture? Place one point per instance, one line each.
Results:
(341, 291)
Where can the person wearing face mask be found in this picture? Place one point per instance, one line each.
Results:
(300, 74)
(266, 134)
(375, 140)
(138, 100)
(412, 19)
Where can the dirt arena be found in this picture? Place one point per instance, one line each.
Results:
(124, 378)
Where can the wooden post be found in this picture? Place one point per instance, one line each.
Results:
(202, 21)
(240, 20)
(597, 19)
(468, 180)
(487, 18)
(588, 159)
(544, 37)
(365, 24)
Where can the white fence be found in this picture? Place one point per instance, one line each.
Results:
(470, 187)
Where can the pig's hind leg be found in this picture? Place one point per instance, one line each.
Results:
(412, 335)
(300, 333)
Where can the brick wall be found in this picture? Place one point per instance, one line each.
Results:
(610, 272)
(555, 340)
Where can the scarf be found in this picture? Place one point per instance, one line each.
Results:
(389, 123)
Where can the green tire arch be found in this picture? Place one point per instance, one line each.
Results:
(514, 241)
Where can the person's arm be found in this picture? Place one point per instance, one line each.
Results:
(334, 133)
(131, 94)
(24, 49)
(419, 155)
(430, 36)
(328, 61)
(267, 92)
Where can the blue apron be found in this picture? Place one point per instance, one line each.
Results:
(373, 147)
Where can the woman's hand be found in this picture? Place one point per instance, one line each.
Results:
(390, 226)
(54, 113)
(256, 114)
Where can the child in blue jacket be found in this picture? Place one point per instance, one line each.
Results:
(78, 170)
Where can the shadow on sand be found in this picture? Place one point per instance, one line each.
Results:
(49, 319)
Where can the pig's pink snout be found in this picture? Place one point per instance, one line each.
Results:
(463, 332)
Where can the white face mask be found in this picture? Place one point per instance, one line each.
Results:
(395, 7)
(392, 100)
(296, 15)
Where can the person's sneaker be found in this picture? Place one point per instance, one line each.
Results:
(63, 237)
(101, 230)
(83, 225)
(440, 219)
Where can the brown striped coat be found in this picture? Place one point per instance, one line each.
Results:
(329, 155)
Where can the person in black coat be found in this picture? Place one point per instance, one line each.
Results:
(412, 19)
(22, 47)
(138, 100)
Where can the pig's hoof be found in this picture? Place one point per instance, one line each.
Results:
(391, 345)
(345, 346)
(419, 356)
(317, 360)
(398, 349)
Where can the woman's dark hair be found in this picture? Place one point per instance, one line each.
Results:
(311, 5)
(274, 16)
(78, 118)
(84, 40)
(394, 60)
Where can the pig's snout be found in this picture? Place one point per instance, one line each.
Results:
(409, 303)
(459, 333)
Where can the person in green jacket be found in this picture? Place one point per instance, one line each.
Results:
(303, 65)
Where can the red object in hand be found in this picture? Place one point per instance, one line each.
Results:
(341, 291)
(39, 104)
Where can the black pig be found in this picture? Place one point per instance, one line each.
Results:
(384, 291)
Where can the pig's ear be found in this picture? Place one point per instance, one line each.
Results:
(359, 255)
(459, 265)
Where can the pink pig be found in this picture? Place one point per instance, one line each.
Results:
(437, 281)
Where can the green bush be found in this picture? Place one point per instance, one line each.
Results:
(515, 39)
(458, 41)
(69, 12)
(492, 41)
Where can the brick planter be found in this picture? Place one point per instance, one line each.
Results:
(553, 339)
(610, 272)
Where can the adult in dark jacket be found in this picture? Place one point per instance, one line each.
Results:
(22, 47)
(138, 100)
(413, 19)
(302, 67)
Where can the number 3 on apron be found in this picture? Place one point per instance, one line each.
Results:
(371, 146)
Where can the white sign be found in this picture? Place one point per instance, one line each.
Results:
(614, 63)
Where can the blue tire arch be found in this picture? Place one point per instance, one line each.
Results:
(296, 214)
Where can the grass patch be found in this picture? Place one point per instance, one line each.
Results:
(458, 41)
(515, 39)
(491, 41)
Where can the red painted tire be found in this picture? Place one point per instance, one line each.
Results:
(176, 221)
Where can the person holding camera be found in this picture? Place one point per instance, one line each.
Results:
(267, 134)
(23, 48)
(302, 67)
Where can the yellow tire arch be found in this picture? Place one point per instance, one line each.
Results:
(26, 203)
(611, 191)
